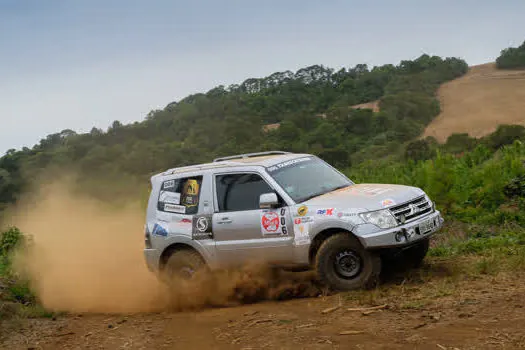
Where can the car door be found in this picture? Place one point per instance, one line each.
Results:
(244, 232)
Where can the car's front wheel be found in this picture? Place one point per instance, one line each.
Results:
(343, 264)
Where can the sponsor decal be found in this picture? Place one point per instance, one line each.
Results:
(169, 197)
(342, 214)
(174, 208)
(169, 184)
(190, 193)
(202, 224)
(328, 212)
(387, 202)
(351, 215)
(303, 220)
(202, 227)
(159, 231)
(302, 210)
(301, 232)
(288, 163)
(180, 225)
(273, 222)
(369, 190)
(270, 222)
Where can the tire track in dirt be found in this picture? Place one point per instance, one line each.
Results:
(484, 313)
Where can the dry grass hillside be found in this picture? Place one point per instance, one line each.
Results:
(480, 101)
(374, 105)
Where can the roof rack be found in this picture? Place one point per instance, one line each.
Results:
(248, 155)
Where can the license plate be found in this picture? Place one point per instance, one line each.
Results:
(426, 226)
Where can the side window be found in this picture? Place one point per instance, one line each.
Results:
(237, 192)
(180, 196)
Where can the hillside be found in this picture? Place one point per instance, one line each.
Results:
(479, 101)
(310, 106)
(76, 248)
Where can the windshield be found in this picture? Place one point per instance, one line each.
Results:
(307, 177)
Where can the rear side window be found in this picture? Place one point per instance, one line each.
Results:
(237, 192)
(180, 196)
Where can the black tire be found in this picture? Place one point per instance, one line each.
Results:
(343, 264)
(183, 264)
(415, 255)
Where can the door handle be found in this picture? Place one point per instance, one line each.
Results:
(225, 221)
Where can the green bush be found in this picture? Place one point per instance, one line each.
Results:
(17, 289)
(459, 143)
(420, 150)
(505, 135)
(512, 57)
(516, 187)
(9, 240)
(472, 188)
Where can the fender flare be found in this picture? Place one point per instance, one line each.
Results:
(173, 241)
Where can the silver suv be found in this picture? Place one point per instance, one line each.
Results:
(283, 209)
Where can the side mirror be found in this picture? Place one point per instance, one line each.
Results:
(268, 200)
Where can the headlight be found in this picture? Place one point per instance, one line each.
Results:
(381, 218)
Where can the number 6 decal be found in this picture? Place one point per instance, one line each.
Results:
(283, 222)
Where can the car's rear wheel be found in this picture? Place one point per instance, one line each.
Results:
(183, 264)
(343, 264)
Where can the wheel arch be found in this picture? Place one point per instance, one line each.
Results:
(166, 253)
(321, 237)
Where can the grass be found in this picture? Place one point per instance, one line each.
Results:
(456, 265)
(17, 299)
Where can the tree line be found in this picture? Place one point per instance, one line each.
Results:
(230, 120)
(512, 57)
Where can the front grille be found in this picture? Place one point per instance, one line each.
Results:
(411, 210)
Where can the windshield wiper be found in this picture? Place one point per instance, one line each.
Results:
(321, 193)
(339, 187)
(310, 197)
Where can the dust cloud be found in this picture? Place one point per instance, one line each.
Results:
(86, 256)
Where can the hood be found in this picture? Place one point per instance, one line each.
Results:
(366, 196)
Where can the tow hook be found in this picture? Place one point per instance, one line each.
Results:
(405, 235)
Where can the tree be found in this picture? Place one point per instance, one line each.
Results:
(419, 150)
(505, 135)
(311, 105)
(512, 57)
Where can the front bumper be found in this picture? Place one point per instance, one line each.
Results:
(400, 236)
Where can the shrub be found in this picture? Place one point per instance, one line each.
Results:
(512, 58)
(419, 150)
(505, 135)
(9, 240)
(516, 187)
(457, 143)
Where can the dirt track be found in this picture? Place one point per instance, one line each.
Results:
(481, 313)
(480, 101)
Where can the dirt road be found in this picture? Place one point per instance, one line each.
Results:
(443, 305)
(476, 313)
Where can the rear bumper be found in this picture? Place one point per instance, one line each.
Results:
(401, 236)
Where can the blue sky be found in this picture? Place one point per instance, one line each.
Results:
(80, 64)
